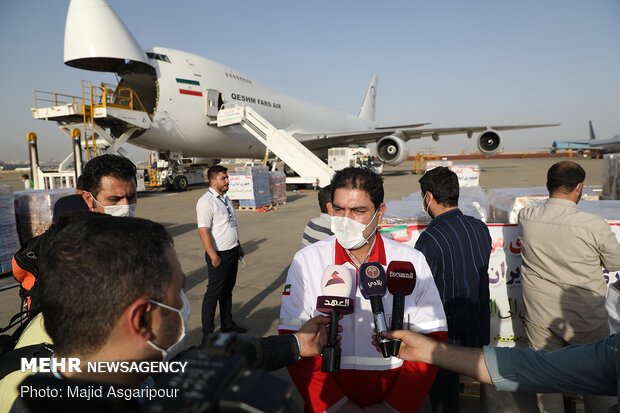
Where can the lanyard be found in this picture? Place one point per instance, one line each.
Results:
(226, 205)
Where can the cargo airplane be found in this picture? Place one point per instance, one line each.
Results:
(607, 145)
(182, 93)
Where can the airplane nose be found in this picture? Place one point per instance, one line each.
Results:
(97, 39)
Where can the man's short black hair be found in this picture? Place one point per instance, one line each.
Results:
(25, 176)
(564, 177)
(325, 196)
(115, 166)
(92, 267)
(360, 178)
(214, 170)
(443, 184)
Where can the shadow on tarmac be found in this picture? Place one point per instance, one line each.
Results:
(395, 173)
(195, 277)
(261, 320)
(176, 230)
(252, 245)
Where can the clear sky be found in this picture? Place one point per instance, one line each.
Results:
(452, 62)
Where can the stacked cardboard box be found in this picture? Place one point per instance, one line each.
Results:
(277, 187)
(250, 186)
(9, 242)
(34, 210)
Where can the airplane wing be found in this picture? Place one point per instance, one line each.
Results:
(320, 140)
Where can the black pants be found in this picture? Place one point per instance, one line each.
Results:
(221, 282)
(444, 392)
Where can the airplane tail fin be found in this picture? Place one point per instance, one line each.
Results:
(367, 111)
(592, 136)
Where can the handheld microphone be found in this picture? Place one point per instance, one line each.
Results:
(372, 285)
(337, 288)
(401, 280)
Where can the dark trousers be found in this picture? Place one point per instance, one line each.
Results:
(221, 282)
(444, 392)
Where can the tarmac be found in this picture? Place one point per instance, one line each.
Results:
(271, 239)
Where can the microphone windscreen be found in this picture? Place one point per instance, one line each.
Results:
(401, 277)
(372, 280)
(328, 303)
(337, 281)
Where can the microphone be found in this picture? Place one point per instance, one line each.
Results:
(337, 288)
(401, 280)
(372, 285)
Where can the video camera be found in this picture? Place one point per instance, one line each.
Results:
(221, 376)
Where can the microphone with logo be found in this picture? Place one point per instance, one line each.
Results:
(372, 285)
(337, 288)
(400, 282)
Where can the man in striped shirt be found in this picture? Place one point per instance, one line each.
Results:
(457, 248)
(320, 227)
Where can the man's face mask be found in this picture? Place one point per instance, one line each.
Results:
(350, 233)
(174, 349)
(118, 210)
(426, 207)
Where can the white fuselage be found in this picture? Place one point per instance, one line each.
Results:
(180, 123)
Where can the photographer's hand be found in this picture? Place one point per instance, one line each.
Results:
(312, 336)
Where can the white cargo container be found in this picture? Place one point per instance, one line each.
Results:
(340, 158)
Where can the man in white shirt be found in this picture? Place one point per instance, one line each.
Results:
(366, 380)
(217, 227)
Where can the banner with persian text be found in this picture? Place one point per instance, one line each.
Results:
(506, 303)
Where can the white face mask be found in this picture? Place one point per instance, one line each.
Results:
(428, 205)
(350, 233)
(118, 210)
(177, 347)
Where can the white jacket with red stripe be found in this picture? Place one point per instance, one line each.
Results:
(365, 376)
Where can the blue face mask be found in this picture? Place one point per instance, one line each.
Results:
(175, 348)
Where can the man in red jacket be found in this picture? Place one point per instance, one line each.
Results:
(366, 381)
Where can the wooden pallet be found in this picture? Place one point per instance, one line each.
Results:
(247, 208)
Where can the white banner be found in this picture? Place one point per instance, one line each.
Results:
(240, 186)
(506, 302)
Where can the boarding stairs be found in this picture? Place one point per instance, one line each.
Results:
(309, 167)
(99, 108)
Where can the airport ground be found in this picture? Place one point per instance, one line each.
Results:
(271, 239)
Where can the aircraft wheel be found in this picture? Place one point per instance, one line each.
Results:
(552, 152)
(580, 153)
(180, 183)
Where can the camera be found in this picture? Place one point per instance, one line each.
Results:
(220, 376)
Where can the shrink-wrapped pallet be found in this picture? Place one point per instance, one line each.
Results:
(34, 210)
(277, 187)
(472, 202)
(611, 176)
(9, 242)
(505, 203)
(469, 175)
(250, 186)
(606, 209)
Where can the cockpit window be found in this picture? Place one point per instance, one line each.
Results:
(158, 56)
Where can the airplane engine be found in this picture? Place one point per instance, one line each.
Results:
(490, 142)
(392, 150)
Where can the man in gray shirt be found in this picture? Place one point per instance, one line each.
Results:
(320, 227)
(563, 284)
